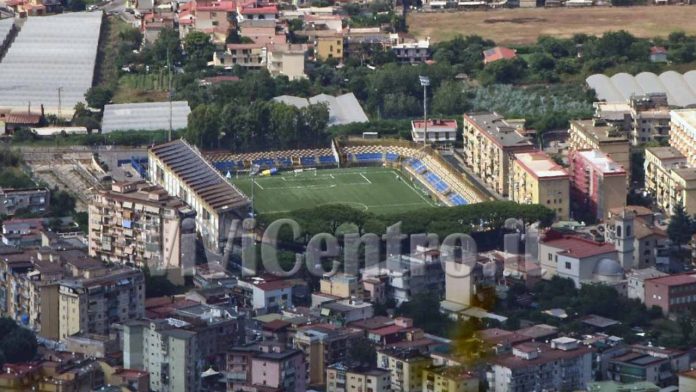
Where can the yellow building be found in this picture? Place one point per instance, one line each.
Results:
(93, 305)
(659, 162)
(537, 179)
(329, 47)
(339, 285)
(405, 368)
(682, 135)
(489, 143)
(342, 378)
(597, 135)
(683, 190)
(449, 379)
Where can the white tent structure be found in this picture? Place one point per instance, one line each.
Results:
(51, 63)
(680, 89)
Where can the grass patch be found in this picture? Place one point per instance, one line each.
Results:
(524, 26)
(373, 189)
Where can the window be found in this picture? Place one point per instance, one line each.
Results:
(550, 257)
(567, 265)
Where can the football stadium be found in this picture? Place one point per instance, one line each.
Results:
(379, 176)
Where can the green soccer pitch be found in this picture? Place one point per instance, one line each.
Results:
(374, 189)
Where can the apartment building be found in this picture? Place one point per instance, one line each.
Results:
(648, 364)
(406, 275)
(250, 56)
(412, 52)
(140, 224)
(328, 46)
(265, 367)
(340, 285)
(669, 180)
(341, 377)
(92, 305)
(597, 183)
(177, 348)
(324, 345)
(537, 179)
(33, 200)
(671, 293)
(659, 163)
(562, 365)
(29, 285)
(406, 368)
(596, 134)
(23, 233)
(644, 118)
(442, 132)
(213, 17)
(181, 170)
(449, 379)
(287, 59)
(682, 135)
(265, 296)
(490, 141)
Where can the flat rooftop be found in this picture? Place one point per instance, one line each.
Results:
(602, 162)
(664, 153)
(600, 132)
(686, 174)
(500, 130)
(540, 165)
(687, 116)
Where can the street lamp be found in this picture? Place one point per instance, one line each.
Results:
(425, 82)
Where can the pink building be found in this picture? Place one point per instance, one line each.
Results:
(597, 183)
(266, 366)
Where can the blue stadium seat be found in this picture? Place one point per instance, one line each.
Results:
(369, 157)
(327, 159)
(458, 200)
(263, 162)
(284, 162)
(392, 156)
(436, 182)
(308, 161)
(417, 165)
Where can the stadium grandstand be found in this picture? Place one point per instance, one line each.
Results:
(422, 164)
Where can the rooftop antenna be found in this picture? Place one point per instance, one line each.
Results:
(169, 68)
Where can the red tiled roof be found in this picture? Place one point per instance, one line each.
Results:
(223, 5)
(21, 118)
(435, 123)
(244, 46)
(276, 325)
(579, 247)
(498, 53)
(674, 280)
(388, 330)
(501, 336)
(658, 50)
(274, 285)
(260, 10)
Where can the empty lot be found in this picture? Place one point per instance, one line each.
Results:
(522, 26)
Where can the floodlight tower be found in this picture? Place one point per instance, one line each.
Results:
(425, 82)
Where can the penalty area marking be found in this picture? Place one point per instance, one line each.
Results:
(366, 179)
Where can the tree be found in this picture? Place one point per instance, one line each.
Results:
(167, 47)
(681, 225)
(203, 126)
(20, 345)
(449, 98)
(503, 71)
(98, 96)
(362, 351)
(16, 344)
(199, 50)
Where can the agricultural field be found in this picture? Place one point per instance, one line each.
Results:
(523, 26)
(374, 189)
